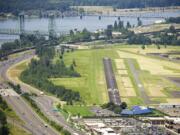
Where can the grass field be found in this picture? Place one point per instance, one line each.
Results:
(91, 84)
(78, 110)
(153, 72)
(15, 130)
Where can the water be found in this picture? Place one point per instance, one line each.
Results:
(92, 23)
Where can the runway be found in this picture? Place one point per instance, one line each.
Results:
(113, 91)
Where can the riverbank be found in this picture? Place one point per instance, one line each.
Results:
(110, 11)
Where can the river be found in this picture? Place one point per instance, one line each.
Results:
(65, 24)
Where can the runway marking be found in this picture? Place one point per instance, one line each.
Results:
(111, 82)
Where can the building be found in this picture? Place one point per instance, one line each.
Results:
(168, 105)
(173, 124)
(98, 127)
(116, 34)
(136, 110)
(154, 120)
(104, 131)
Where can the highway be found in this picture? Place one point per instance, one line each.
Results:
(31, 120)
(113, 91)
(43, 101)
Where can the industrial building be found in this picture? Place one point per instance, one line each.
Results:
(136, 110)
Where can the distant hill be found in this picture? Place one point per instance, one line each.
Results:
(18, 5)
(128, 3)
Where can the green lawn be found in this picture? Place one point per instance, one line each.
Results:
(91, 84)
(15, 130)
(78, 110)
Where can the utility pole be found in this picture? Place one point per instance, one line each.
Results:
(21, 23)
(51, 26)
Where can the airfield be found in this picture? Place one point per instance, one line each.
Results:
(142, 79)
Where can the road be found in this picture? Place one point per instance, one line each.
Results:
(113, 91)
(43, 101)
(140, 86)
(31, 120)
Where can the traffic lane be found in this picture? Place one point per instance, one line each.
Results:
(22, 108)
(6, 64)
(26, 88)
(47, 106)
(32, 121)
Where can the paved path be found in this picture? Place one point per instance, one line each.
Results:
(139, 84)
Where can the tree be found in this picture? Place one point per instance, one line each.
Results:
(143, 47)
(172, 29)
(74, 62)
(71, 33)
(59, 105)
(139, 22)
(128, 25)
(158, 47)
(123, 105)
(121, 25)
(115, 25)
(109, 31)
(72, 67)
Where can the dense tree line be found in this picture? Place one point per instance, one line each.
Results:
(15, 6)
(131, 37)
(128, 3)
(169, 37)
(173, 20)
(25, 41)
(77, 36)
(41, 70)
(16, 88)
(4, 130)
(115, 108)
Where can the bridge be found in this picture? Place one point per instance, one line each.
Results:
(51, 28)
(18, 32)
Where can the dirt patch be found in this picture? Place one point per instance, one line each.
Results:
(127, 82)
(175, 94)
(125, 92)
(120, 64)
(175, 80)
(122, 72)
(154, 66)
(155, 90)
(173, 100)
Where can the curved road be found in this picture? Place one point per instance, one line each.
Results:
(43, 101)
(31, 120)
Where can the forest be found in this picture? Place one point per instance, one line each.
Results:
(128, 3)
(4, 130)
(39, 71)
(15, 6)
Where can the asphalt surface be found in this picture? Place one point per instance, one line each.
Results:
(44, 102)
(113, 91)
(140, 86)
(31, 120)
